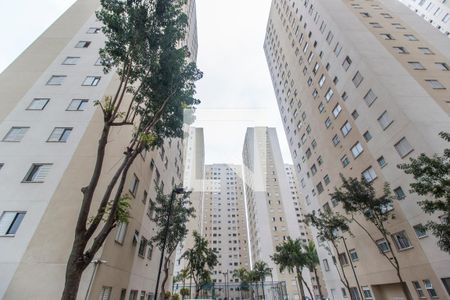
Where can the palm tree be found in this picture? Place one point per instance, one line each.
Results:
(290, 256)
(243, 276)
(261, 270)
(312, 261)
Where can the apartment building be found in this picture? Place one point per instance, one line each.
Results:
(273, 208)
(436, 12)
(50, 128)
(361, 87)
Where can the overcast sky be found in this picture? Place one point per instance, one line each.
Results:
(236, 90)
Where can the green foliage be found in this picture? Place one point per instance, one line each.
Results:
(167, 295)
(328, 224)
(312, 259)
(180, 211)
(289, 256)
(432, 179)
(261, 270)
(244, 276)
(175, 297)
(359, 197)
(122, 211)
(185, 292)
(200, 260)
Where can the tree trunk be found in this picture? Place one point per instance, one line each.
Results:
(166, 277)
(74, 271)
(309, 290)
(319, 287)
(264, 292)
(300, 284)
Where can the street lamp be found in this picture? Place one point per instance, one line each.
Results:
(176, 191)
(96, 263)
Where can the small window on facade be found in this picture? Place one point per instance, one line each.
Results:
(37, 173)
(93, 30)
(322, 80)
(401, 240)
(38, 104)
(429, 287)
(336, 140)
(369, 174)
(357, 149)
(367, 136)
(381, 161)
(60, 134)
(425, 50)
(329, 94)
(71, 60)
(91, 81)
(345, 129)
(443, 66)
(355, 114)
(370, 97)
(353, 255)
(416, 65)
(321, 107)
(344, 96)
(387, 36)
(418, 289)
(343, 259)
(10, 222)
(320, 188)
(347, 62)
(399, 193)
(435, 84)
(383, 246)
(82, 44)
(357, 79)
(78, 105)
(420, 231)
(121, 232)
(326, 179)
(327, 123)
(15, 134)
(106, 293)
(56, 80)
(403, 147)
(142, 246)
(410, 37)
(401, 50)
(337, 110)
(134, 186)
(98, 62)
(367, 292)
(345, 161)
(385, 120)
(325, 265)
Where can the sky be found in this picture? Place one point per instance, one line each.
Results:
(236, 90)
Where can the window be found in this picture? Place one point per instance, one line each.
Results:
(383, 246)
(91, 81)
(381, 161)
(443, 66)
(420, 230)
(71, 60)
(399, 194)
(10, 222)
(369, 174)
(329, 94)
(337, 110)
(370, 97)
(347, 62)
(326, 266)
(343, 259)
(367, 292)
(133, 295)
(326, 179)
(345, 129)
(322, 80)
(37, 173)
(56, 80)
(367, 136)
(121, 232)
(385, 120)
(425, 50)
(327, 122)
(410, 37)
(418, 289)
(142, 246)
(416, 65)
(15, 134)
(446, 282)
(106, 293)
(123, 294)
(99, 62)
(82, 44)
(38, 104)
(387, 36)
(344, 292)
(321, 107)
(77, 105)
(134, 185)
(93, 30)
(336, 140)
(401, 50)
(353, 255)
(357, 79)
(313, 169)
(60, 134)
(355, 114)
(142, 295)
(357, 149)
(150, 252)
(345, 161)
(319, 188)
(446, 18)
(429, 287)
(435, 84)
(403, 147)
(401, 240)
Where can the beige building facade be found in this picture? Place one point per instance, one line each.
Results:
(50, 128)
(361, 87)
(273, 209)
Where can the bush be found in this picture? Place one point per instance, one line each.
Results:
(184, 291)
(175, 297)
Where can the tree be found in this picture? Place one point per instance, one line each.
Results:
(181, 277)
(329, 225)
(262, 270)
(171, 217)
(312, 261)
(359, 197)
(242, 275)
(200, 261)
(432, 178)
(156, 82)
(290, 256)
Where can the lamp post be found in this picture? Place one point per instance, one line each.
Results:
(96, 263)
(176, 191)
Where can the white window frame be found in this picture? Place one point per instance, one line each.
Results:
(385, 120)
(9, 220)
(369, 174)
(71, 60)
(37, 173)
(91, 80)
(60, 135)
(399, 242)
(403, 147)
(56, 80)
(121, 232)
(346, 128)
(82, 103)
(16, 134)
(38, 100)
(357, 149)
